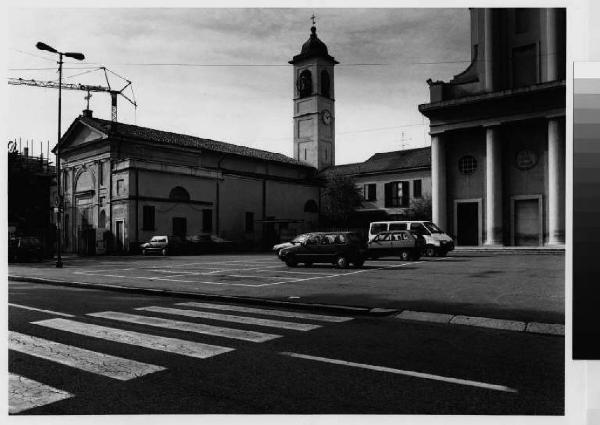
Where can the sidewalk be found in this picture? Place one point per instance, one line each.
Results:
(458, 289)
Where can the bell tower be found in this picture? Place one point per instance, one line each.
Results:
(314, 112)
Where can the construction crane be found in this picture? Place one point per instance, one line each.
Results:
(84, 87)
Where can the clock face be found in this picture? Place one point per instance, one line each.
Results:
(326, 116)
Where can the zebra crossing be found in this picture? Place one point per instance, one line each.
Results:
(26, 393)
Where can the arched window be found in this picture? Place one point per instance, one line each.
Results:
(178, 193)
(304, 83)
(325, 84)
(311, 206)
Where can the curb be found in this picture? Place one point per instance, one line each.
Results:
(366, 311)
(555, 329)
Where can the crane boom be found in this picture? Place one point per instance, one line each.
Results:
(76, 86)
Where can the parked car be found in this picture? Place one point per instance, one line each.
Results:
(403, 243)
(297, 240)
(24, 248)
(338, 248)
(164, 245)
(205, 243)
(437, 242)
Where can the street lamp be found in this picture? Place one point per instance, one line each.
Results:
(78, 56)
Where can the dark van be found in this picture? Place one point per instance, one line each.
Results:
(337, 248)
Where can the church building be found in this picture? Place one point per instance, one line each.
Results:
(498, 132)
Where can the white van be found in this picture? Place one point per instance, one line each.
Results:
(437, 242)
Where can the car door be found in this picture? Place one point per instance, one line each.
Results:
(308, 252)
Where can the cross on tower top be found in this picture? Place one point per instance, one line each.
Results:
(313, 18)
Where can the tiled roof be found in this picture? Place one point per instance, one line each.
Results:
(387, 161)
(167, 138)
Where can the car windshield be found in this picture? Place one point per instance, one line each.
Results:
(432, 227)
(158, 239)
(300, 238)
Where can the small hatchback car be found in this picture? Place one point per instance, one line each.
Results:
(338, 248)
(164, 245)
(402, 243)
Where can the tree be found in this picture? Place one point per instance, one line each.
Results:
(339, 199)
(420, 208)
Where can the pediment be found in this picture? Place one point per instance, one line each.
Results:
(80, 134)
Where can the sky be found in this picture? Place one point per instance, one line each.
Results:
(223, 74)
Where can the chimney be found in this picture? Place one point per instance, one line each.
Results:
(87, 113)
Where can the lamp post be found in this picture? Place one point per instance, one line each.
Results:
(78, 56)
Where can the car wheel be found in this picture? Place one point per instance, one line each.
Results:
(164, 251)
(405, 255)
(341, 262)
(430, 251)
(291, 262)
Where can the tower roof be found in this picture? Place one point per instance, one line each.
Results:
(313, 48)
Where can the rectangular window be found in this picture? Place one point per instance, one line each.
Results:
(120, 187)
(370, 192)
(417, 189)
(148, 219)
(249, 222)
(396, 194)
(179, 226)
(101, 174)
(525, 65)
(101, 201)
(207, 220)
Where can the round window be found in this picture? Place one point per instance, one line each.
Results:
(467, 164)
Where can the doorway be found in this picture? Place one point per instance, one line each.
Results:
(119, 228)
(468, 222)
(527, 223)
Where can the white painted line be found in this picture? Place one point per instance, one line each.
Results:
(153, 342)
(79, 358)
(24, 394)
(546, 328)
(267, 312)
(425, 316)
(485, 322)
(234, 319)
(187, 326)
(55, 313)
(258, 277)
(405, 372)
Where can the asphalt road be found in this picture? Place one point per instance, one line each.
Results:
(98, 352)
(513, 286)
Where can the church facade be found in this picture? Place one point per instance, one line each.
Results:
(498, 132)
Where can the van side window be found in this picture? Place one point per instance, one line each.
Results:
(378, 228)
(419, 229)
(397, 226)
(387, 237)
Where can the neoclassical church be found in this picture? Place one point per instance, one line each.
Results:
(498, 132)
(124, 183)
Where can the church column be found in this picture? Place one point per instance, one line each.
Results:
(556, 182)
(552, 58)
(493, 186)
(489, 49)
(438, 181)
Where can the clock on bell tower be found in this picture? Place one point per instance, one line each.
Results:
(314, 112)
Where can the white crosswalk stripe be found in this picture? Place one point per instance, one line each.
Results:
(154, 342)
(267, 312)
(79, 358)
(24, 394)
(201, 328)
(231, 318)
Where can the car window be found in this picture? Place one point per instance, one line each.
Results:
(397, 237)
(378, 228)
(387, 237)
(314, 239)
(300, 238)
(419, 229)
(328, 240)
(397, 226)
(432, 227)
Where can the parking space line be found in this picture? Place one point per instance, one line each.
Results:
(411, 373)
